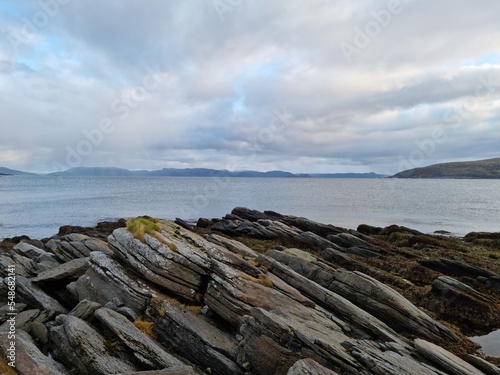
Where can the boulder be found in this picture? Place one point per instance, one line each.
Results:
(28, 250)
(456, 268)
(29, 359)
(106, 279)
(195, 337)
(444, 359)
(367, 293)
(85, 309)
(232, 245)
(249, 214)
(81, 347)
(146, 351)
(32, 295)
(164, 264)
(317, 241)
(71, 270)
(483, 365)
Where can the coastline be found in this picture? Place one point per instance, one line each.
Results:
(448, 287)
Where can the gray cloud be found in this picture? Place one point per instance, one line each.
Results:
(266, 87)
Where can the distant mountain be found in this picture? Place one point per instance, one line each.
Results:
(13, 172)
(488, 169)
(95, 171)
(347, 175)
(201, 172)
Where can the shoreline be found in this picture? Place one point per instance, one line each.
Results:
(436, 288)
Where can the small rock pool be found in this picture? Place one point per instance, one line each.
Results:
(490, 343)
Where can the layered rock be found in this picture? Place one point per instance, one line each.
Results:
(170, 301)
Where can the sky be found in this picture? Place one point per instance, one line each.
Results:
(317, 86)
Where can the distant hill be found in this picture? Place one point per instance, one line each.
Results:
(347, 175)
(488, 169)
(201, 172)
(13, 172)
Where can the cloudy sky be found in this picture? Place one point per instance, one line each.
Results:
(297, 85)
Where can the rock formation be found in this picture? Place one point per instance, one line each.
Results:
(253, 293)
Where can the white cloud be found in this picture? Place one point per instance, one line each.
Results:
(222, 80)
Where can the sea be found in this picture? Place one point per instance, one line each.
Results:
(38, 205)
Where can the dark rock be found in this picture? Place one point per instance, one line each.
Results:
(482, 365)
(195, 338)
(28, 250)
(40, 333)
(397, 229)
(456, 301)
(307, 225)
(25, 318)
(85, 309)
(31, 294)
(79, 345)
(6, 309)
(114, 303)
(445, 232)
(127, 313)
(232, 245)
(145, 350)
(456, 268)
(29, 360)
(444, 359)
(493, 282)
(183, 224)
(71, 270)
(348, 240)
(262, 229)
(369, 230)
(107, 279)
(313, 239)
(248, 214)
(204, 223)
(367, 293)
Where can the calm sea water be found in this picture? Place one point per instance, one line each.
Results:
(38, 205)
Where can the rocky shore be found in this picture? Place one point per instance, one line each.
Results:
(252, 293)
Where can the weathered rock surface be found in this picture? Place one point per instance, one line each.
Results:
(83, 348)
(29, 359)
(444, 359)
(309, 367)
(32, 295)
(144, 349)
(317, 300)
(367, 293)
(106, 279)
(71, 270)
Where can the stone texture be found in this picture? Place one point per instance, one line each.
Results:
(107, 279)
(80, 346)
(444, 359)
(144, 349)
(29, 360)
(32, 295)
(309, 367)
(71, 270)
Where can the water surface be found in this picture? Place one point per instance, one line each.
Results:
(38, 205)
